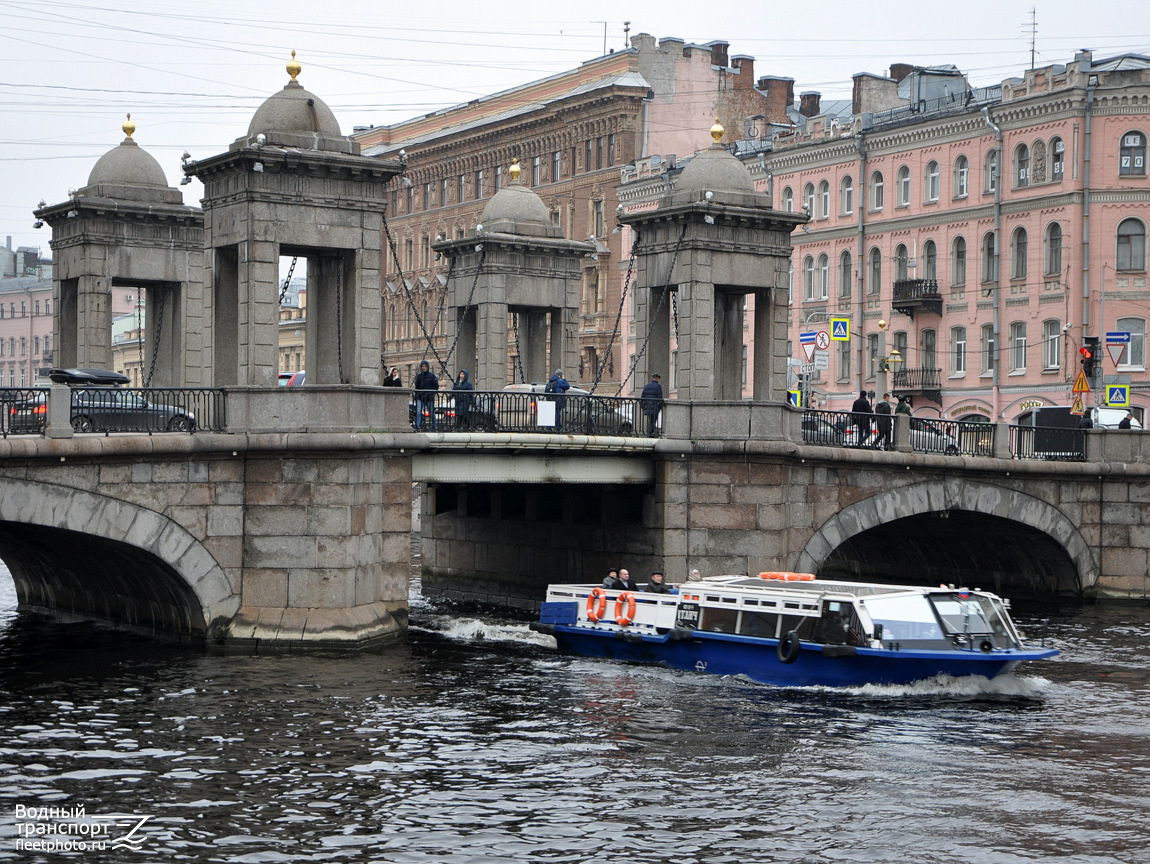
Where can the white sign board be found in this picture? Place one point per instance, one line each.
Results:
(545, 413)
(822, 359)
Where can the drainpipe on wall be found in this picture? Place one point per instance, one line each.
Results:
(860, 261)
(1087, 321)
(995, 321)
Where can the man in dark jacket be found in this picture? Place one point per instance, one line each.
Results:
(425, 385)
(862, 417)
(651, 402)
(558, 384)
(657, 585)
(624, 582)
(883, 410)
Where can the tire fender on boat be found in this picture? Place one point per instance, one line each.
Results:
(624, 618)
(597, 596)
(788, 649)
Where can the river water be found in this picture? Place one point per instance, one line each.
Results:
(473, 741)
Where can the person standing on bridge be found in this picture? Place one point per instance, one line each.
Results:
(425, 385)
(463, 400)
(862, 417)
(558, 384)
(883, 410)
(651, 401)
(393, 379)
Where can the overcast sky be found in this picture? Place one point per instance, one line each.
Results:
(192, 76)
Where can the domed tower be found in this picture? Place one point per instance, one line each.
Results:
(127, 228)
(712, 242)
(292, 186)
(516, 270)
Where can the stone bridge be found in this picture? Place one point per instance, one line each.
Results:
(259, 538)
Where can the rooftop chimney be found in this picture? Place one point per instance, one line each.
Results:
(898, 71)
(809, 103)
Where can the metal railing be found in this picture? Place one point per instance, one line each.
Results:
(501, 411)
(915, 289)
(877, 432)
(917, 379)
(117, 409)
(1039, 442)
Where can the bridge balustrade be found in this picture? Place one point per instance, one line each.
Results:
(527, 412)
(117, 409)
(850, 429)
(1058, 445)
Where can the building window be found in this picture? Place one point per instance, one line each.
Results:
(426, 195)
(989, 261)
(1053, 256)
(958, 266)
(443, 192)
(873, 354)
(47, 310)
(900, 263)
(847, 196)
(426, 244)
(846, 275)
(990, 179)
(875, 286)
(536, 171)
(824, 277)
(1021, 166)
(1132, 156)
(900, 344)
(961, 177)
(876, 191)
(1058, 158)
(932, 181)
(598, 216)
(478, 185)
(844, 364)
(23, 346)
(555, 167)
(1131, 245)
(410, 198)
(409, 250)
(1018, 251)
(809, 278)
(929, 260)
(23, 309)
(987, 348)
(462, 190)
(1051, 343)
(958, 350)
(1018, 347)
(498, 177)
(35, 346)
(611, 149)
(788, 200)
(824, 200)
(902, 187)
(809, 199)
(47, 343)
(1135, 356)
(587, 156)
(36, 309)
(927, 349)
(599, 153)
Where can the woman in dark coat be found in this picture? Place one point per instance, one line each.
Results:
(393, 379)
(463, 400)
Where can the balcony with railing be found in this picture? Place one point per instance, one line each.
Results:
(917, 295)
(923, 381)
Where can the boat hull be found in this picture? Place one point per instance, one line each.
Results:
(758, 659)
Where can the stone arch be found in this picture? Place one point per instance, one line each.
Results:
(138, 535)
(945, 495)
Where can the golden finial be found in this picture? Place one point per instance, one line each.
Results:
(293, 67)
(129, 127)
(514, 170)
(717, 131)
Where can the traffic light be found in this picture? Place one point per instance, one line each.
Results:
(1089, 352)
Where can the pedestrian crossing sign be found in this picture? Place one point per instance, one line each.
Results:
(1118, 395)
(841, 329)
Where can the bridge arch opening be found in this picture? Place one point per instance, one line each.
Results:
(977, 535)
(72, 575)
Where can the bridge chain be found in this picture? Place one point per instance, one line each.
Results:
(618, 315)
(411, 300)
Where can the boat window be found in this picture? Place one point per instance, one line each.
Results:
(761, 624)
(749, 602)
(971, 614)
(719, 620)
(904, 617)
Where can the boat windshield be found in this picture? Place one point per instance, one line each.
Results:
(903, 616)
(973, 614)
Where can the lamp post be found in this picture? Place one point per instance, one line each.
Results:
(886, 363)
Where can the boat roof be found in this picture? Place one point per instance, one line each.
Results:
(799, 584)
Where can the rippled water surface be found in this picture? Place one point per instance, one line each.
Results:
(473, 741)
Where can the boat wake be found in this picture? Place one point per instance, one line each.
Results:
(967, 687)
(480, 630)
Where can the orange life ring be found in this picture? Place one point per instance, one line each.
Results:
(621, 619)
(593, 613)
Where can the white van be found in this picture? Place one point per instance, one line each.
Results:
(1109, 418)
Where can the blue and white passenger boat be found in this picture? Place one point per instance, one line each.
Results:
(791, 629)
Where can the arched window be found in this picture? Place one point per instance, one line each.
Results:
(789, 200)
(988, 352)
(1018, 252)
(809, 199)
(1057, 158)
(846, 274)
(1053, 251)
(1131, 245)
(824, 277)
(847, 196)
(824, 200)
(958, 350)
(1132, 155)
(900, 262)
(990, 171)
(1021, 166)
(876, 191)
(958, 261)
(1135, 355)
(989, 261)
(875, 286)
(961, 177)
(1018, 346)
(808, 278)
(902, 187)
(1051, 343)
(929, 260)
(927, 353)
(932, 181)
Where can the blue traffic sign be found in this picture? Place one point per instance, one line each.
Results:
(1118, 337)
(840, 328)
(1118, 395)
(804, 338)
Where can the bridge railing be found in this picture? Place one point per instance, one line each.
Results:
(1038, 442)
(887, 432)
(502, 411)
(117, 409)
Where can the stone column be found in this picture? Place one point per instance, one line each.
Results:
(764, 347)
(728, 346)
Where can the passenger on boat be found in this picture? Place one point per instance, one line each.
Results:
(624, 582)
(694, 577)
(611, 578)
(658, 586)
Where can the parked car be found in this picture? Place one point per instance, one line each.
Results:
(482, 412)
(927, 437)
(285, 378)
(100, 405)
(817, 430)
(296, 379)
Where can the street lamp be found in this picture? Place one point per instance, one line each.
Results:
(886, 363)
